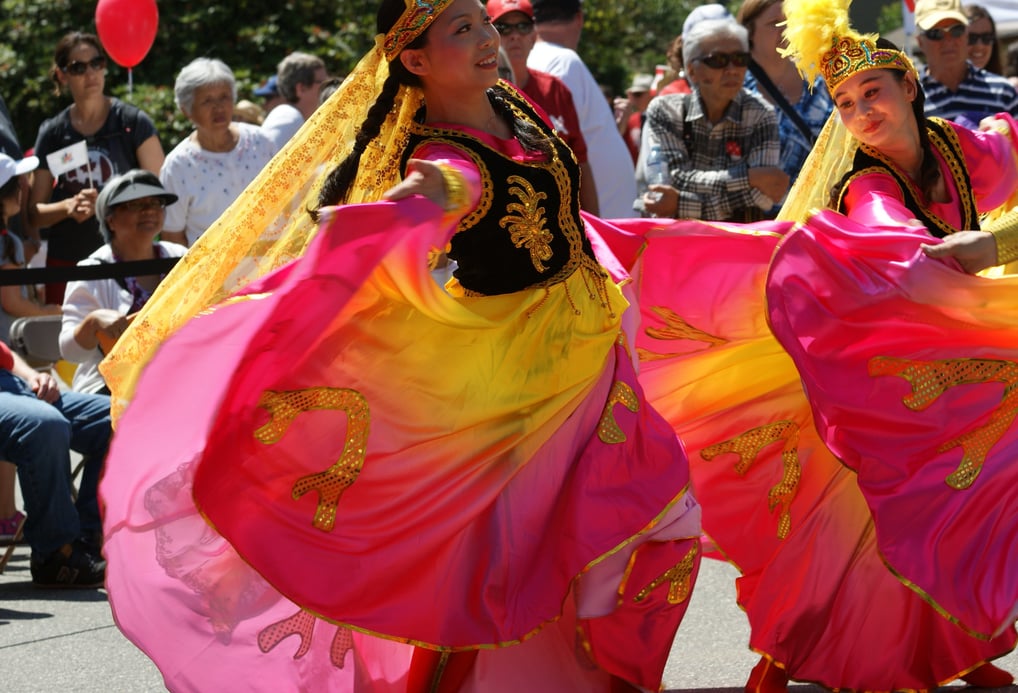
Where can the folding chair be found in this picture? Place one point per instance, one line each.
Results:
(37, 339)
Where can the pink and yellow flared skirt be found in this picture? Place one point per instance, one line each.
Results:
(344, 461)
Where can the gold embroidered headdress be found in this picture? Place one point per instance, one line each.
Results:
(416, 18)
(268, 225)
(821, 41)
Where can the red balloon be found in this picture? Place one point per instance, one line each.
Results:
(127, 29)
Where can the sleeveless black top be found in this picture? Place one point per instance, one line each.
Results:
(526, 232)
(944, 140)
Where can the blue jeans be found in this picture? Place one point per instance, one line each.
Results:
(38, 437)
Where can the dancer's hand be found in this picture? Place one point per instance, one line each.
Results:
(974, 250)
(422, 178)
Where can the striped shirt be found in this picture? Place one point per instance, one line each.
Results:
(711, 173)
(980, 94)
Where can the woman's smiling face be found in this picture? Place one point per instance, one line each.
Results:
(460, 51)
(876, 106)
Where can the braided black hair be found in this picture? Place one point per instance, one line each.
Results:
(527, 133)
(337, 183)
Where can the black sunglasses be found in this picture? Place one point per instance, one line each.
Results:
(719, 61)
(522, 28)
(78, 68)
(986, 39)
(141, 204)
(936, 34)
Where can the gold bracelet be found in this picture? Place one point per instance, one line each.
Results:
(1005, 234)
(456, 197)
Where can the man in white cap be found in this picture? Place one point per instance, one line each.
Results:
(629, 111)
(954, 88)
(559, 24)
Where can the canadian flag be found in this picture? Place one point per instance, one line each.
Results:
(68, 158)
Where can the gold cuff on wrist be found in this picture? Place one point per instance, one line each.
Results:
(1005, 234)
(456, 197)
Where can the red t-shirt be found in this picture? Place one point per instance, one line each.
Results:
(552, 95)
(6, 358)
(679, 86)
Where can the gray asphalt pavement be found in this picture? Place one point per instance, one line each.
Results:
(58, 640)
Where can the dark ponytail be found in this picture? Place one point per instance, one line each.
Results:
(527, 133)
(339, 180)
(929, 169)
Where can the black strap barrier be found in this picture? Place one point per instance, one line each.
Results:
(106, 270)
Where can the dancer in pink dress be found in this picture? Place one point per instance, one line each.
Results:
(888, 564)
(349, 476)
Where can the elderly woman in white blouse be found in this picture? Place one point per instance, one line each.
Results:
(130, 209)
(212, 165)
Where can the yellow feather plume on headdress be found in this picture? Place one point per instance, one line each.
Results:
(822, 42)
(810, 30)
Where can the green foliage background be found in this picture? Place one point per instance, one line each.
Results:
(620, 37)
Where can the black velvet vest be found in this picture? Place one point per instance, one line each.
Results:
(526, 232)
(944, 140)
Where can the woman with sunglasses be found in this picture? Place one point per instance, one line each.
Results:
(720, 142)
(118, 136)
(507, 503)
(130, 210)
(984, 48)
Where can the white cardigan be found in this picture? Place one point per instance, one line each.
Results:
(83, 297)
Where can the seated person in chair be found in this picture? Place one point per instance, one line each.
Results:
(38, 428)
(131, 210)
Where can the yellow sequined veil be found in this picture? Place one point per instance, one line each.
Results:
(268, 225)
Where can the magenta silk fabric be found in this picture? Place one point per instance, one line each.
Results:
(911, 366)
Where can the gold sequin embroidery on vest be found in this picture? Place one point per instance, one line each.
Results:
(747, 447)
(571, 227)
(283, 408)
(526, 223)
(678, 578)
(930, 379)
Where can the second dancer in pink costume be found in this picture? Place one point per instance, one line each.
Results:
(893, 570)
